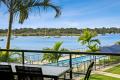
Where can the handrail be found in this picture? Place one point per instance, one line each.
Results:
(63, 52)
(59, 52)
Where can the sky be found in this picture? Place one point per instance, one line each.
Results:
(75, 14)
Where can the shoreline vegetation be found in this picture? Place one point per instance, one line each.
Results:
(87, 39)
(56, 31)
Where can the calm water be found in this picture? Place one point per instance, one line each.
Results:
(37, 42)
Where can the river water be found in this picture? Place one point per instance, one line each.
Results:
(69, 42)
(38, 42)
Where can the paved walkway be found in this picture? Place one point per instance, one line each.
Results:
(101, 72)
(108, 74)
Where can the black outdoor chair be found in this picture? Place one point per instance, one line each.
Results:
(6, 72)
(87, 75)
(29, 73)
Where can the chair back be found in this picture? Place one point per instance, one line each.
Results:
(6, 72)
(29, 73)
(89, 71)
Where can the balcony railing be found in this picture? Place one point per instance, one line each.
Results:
(100, 59)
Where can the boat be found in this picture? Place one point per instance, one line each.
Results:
(16, 36)
(1, 39)
(57, 36)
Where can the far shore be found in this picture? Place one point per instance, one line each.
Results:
(17, 35)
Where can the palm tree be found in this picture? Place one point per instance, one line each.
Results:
(117, 43)
(13, 57)
(22, 8)
(53, 57)
(88, 38)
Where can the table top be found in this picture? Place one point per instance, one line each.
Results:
(47, 70)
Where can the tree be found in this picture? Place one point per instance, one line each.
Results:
(88, 38)
(53, 57)
(117, 43)
(13, 57)
(23, 8)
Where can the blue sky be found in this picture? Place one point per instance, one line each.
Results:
(75, 13)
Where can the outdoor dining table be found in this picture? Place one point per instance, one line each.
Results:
(48, 71)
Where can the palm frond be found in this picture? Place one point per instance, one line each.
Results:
(13, 57)
(48, 56)
(6, 2)
(54, 57)
(23, 13)
(93, 48)
(64, 49)
(95, 41)
(57, 45)
(57, 9)
(24, 7)
(46, 4)
(0, 2)
(88, 38)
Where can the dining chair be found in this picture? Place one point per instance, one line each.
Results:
(87, 75)
(29, 73)
(6, 72)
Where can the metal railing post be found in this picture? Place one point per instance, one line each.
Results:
(70, 63)
(23, 58)
(95, 62)
(84, 66)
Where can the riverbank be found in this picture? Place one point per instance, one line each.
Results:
(56, 31)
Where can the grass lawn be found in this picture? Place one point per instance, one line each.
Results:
(115, 70)
(101, 77)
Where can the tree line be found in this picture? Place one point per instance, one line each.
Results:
(56, 31)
